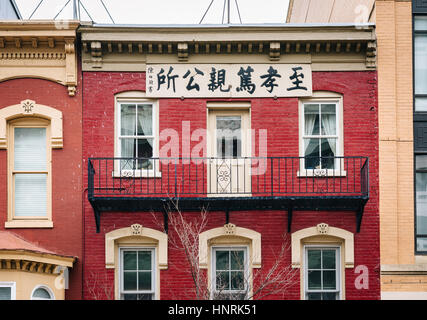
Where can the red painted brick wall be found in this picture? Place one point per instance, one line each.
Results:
(65, 237)
(280, 118)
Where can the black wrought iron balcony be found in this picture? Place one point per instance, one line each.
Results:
(229, 184)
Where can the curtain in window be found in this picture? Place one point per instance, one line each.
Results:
(329, 126)
(309, 122)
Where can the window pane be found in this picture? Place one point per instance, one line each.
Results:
(420, 23)
(312, 153)
(422, 244)
(328, 152)
(129, 260)
(222, 280)
(140, 296)
(420, 64)
(128, 148)
(30, 149)
(30, 195)
(329, 296)
(144, 260)
(128, 121)
(329, 119)
(420, 104)
(314, 296)
(229, 136)
(329, 280)
(129, 280)
(145, 148)
(311, 119)
(222, 262)
(145, 120)
(144, 280)
(314, 259)
(314, 280)
(41, 294)
(328, 259)
(237, 260)
(237, 280)
(5, 293)
(421, 202)
(421, 162)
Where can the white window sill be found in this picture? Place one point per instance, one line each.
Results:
(137, 174)
(28, 224)
(321, 173)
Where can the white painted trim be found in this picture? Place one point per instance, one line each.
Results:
(11, 285)
(154, 270)
(323, 97)
(135, 97)
(339, 272)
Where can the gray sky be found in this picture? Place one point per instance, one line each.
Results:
(161, 11)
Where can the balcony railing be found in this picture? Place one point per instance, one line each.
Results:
(228, 184)
(218, 177)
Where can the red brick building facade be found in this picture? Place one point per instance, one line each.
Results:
(314, 211)
(40, 107)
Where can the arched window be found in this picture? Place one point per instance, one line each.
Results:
(42, 293)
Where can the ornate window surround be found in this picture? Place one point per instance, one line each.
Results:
(230, 234)
(30, 109)
(322, 233)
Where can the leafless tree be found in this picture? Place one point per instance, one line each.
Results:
(99, 286)
(256, 284)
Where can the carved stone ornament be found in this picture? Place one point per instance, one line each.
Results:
(322, 228)
(230, 229)
(28, 106)
(136, 229)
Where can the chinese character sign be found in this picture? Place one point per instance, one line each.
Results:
(228, 80)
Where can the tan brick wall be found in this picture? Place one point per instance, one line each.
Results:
(394, 34)
(404, 283)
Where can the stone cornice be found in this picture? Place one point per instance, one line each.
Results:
(39, 49)
(110, 48)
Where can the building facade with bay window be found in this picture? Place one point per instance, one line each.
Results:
(254, 147)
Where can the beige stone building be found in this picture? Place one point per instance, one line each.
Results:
(403, 235)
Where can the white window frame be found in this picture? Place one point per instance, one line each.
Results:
(245, 249)
(322, 97)
(12, 286)
(135, 98)
(52, 296)
(338, 265)
(153, 272)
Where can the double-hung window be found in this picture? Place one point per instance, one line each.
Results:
(136, 134)
(137, 273)
(7, 291)
(29, 170)
(322, 273)
(230, 273)
(320, 139)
